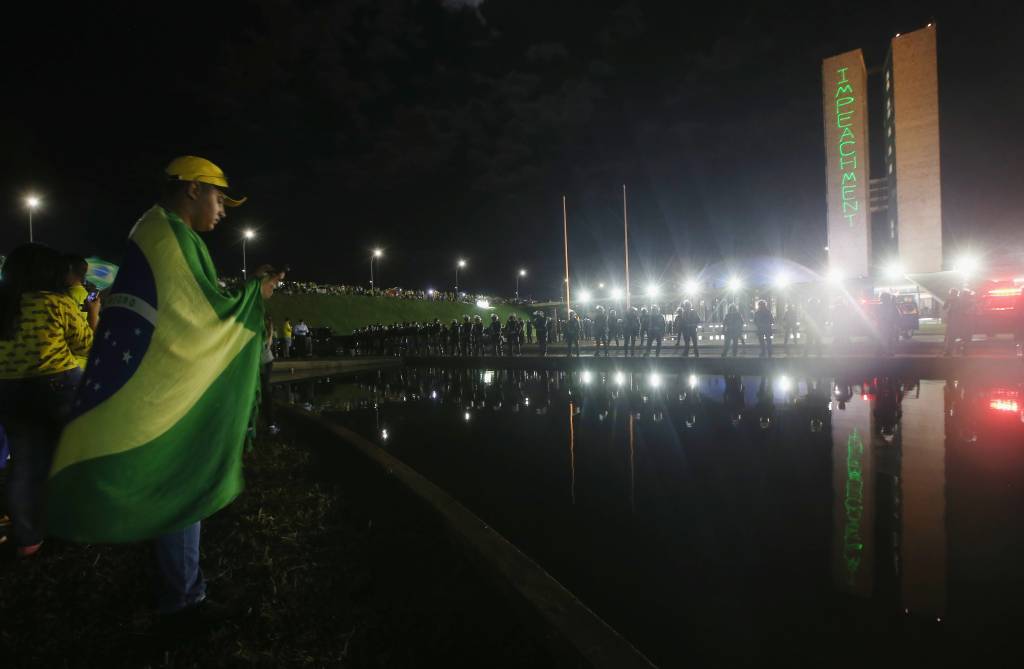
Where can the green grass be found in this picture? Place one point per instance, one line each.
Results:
(345, 313)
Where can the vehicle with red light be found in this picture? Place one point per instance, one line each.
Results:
(993, 308)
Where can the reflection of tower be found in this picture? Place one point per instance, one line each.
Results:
(923, 484)
(853, 485)
(886, 395)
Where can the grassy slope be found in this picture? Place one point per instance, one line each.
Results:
(345, 313)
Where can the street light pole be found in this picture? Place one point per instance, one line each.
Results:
(377, 253)
(461, 263)
(246, 236)
(31, 202)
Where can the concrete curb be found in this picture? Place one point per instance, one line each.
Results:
(562, 613)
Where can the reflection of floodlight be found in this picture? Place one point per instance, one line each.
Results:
(735, 284)
(586, 377)
(691, 287)
(966, 265)
(620, 378)
(893, 271)
(616, 294)
(785, 384)
(781, 280)
(652, 290)
(835, 275)
(692, 380)
(584, 296)
(655, 380)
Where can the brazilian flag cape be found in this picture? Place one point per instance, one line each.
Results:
(160, 420)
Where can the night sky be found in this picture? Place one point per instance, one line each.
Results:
(446, 129)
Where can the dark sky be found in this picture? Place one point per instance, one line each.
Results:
(439, 129)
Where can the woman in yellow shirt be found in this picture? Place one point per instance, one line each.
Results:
(41, 332)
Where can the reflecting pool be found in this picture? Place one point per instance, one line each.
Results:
(732, 519)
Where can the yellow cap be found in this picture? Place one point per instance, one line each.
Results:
(194, 168)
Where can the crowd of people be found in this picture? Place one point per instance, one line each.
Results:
(428, 295)
(646, 330)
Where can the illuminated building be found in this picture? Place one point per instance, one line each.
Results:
(844, 96)
(912, 149)
(907, 196)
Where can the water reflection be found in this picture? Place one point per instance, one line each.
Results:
(715, 501)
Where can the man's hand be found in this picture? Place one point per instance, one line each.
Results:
(269, 283)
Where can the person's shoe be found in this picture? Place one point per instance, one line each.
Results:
(28, 551)
(196, 619)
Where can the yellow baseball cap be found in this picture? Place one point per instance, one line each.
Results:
(194, 168)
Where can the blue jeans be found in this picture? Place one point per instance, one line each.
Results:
(181, 583)
(33, 412)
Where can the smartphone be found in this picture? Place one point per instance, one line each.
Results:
(93, 294)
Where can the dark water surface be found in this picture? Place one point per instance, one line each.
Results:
(734, 520)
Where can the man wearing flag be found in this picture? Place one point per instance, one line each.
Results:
(160, 419)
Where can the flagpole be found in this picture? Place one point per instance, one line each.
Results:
(565, 243)
(625, 232)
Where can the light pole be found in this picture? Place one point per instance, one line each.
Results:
(32, 202)
(247, 234)
(377, 253)
(459, 265)
(520, 273)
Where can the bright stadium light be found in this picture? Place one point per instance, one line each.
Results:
(785, 384)
(620, 378)
(894, 271)
(692, 381)
(655, 380)
(735, 284)
(966, 265)
(691, 287)
(430, 292)
(615, 293)
(586, 377)
(835, 275)
(652, 290)
(585, 296)
(782, 280)
(600, 285)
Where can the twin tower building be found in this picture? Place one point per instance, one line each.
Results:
(881, 224)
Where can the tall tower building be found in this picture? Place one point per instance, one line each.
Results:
(912, 149)
(844, 102)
